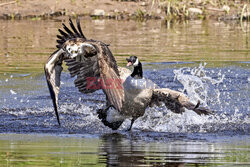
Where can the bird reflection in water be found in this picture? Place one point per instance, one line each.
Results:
(117, 150)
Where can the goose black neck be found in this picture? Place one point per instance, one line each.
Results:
(137, 73)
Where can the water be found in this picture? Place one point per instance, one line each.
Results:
(114, 149)
(30, 135)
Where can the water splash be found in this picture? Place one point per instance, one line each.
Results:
(198, 85)
(12, 92)
(224, 90)
(208, 86)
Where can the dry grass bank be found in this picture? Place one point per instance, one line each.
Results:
(126, 9)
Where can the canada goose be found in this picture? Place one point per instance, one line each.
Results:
(96, 68)
(134, 61)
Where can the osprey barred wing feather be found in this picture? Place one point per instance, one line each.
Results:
(53, 69)
(53, 66)
(77, 33)
(85, 59)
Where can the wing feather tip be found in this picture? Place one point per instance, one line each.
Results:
(203, 111)
(57, 117)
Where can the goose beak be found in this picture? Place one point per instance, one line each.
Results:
(129, 64)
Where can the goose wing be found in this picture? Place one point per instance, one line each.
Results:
(176, 101)
(90, 61)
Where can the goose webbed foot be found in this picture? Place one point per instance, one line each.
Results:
(102, 115)
(131, 124)
(113, 125)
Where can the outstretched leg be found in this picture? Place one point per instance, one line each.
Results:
(131, 124)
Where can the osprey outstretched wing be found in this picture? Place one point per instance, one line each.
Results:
(90, 60)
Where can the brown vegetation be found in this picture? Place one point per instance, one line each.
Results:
(126, 9)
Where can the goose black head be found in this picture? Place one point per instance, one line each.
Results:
(134, 61)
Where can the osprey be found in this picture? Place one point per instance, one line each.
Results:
(95, 68)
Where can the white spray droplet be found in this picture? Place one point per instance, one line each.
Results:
(12, 92)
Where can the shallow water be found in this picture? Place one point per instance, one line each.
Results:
(209, 61)
(120, 149)
(25, 45)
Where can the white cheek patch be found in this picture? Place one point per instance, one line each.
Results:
(136, 62)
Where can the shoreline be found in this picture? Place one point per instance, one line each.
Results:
(125, 10)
